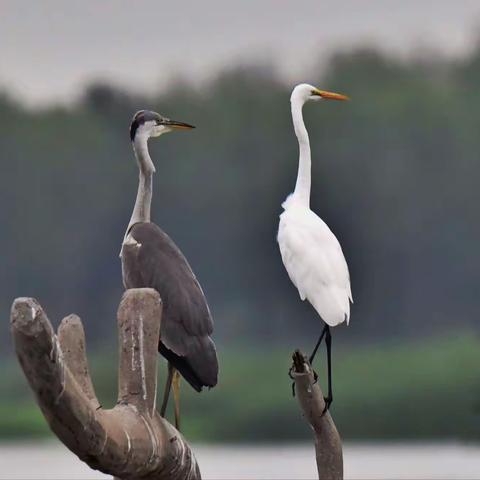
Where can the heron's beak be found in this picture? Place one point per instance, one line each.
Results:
(173, 124)
(329, 95)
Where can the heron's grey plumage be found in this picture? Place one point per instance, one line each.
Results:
(151, 259)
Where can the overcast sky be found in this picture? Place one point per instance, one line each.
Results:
(49, 49)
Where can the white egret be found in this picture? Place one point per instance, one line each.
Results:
(310, 251)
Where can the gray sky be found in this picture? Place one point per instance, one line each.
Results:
(49, 49)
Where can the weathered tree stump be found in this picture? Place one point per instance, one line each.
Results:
(328, 446)
(129, 441)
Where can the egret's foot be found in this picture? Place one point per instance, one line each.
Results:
(290, 374)
(328, 402)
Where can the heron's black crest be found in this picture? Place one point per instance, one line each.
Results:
(140, 118)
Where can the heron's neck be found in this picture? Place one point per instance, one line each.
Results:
(302, 187)
(143, 202)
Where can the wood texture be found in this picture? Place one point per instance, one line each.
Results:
(328, 445)
(131, 440)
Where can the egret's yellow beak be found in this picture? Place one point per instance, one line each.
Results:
(329, 95)
(176, 125)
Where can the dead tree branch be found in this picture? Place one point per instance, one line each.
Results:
(328, 446)
(131, 440)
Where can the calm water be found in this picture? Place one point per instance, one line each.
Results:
(362, 461)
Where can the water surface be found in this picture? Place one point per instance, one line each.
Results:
(28, 461)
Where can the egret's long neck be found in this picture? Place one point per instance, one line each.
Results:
(302, 187)
(143, 202)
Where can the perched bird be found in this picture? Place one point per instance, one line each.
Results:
(310, 251)
(151, 259)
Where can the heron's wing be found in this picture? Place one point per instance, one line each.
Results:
(316, 265)
(186, 321)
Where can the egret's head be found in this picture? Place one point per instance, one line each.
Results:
(152, 124)
(304, 92)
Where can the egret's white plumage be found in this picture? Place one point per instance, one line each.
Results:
(310, 251)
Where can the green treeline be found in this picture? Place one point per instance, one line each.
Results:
(395, 175)
(421, 390)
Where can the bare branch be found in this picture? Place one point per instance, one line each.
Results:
(139, 331)
(130, 441)
(328, 446)
(72, 343)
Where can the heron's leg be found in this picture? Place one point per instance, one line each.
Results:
(329, 397)
(312, 356)
(166, 392)
(176, 397)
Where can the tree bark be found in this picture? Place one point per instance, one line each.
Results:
(328, 446)
(131, 440)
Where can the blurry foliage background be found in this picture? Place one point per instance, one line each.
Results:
(395, 175)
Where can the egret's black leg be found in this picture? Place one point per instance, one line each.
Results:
(312, 356)
(290, 374)
(329, 397)
(166, 393)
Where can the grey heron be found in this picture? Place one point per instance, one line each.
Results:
(151, 259)
(310, 251)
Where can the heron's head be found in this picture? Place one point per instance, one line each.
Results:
(152, 124)
(304, 93)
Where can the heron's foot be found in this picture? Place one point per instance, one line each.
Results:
(328, 401)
